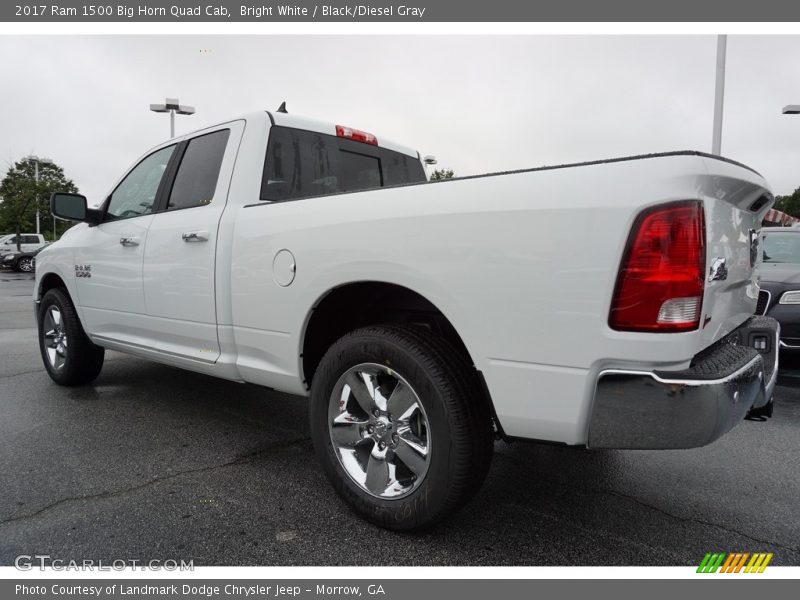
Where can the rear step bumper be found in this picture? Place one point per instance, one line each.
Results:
(690, 408)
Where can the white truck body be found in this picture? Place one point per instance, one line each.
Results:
(522, 265)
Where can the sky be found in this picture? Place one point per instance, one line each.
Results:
(479, 103)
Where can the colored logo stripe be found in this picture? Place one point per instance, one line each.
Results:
(711, 562)
(734, 562)
(758, 563)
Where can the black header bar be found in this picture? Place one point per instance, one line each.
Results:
(413, 11)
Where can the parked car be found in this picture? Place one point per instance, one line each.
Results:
(582, 304)
(24, 262)
(779, 280)
(28, 243)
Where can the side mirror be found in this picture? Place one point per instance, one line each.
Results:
(72, 207)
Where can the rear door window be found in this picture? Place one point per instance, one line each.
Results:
(196, 180)
(304, 164)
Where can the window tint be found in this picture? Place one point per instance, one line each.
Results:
(302, 164)
(23, 239)
(401, 168)
(358, 172)
(137, 192)
(197, 176)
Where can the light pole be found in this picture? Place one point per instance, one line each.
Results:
(37, 161)
(172, 106)
(719, 94)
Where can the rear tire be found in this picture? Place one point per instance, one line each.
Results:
(403, 461)
(69, 357)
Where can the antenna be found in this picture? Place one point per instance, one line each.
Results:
(282, 108)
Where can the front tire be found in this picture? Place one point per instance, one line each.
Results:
(400, 425)
(69, 357)
(25, 265)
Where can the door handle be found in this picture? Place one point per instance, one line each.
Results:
(195, 236)
(129, 241)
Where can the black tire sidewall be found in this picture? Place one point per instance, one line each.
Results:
(84, 360)
(57, 299)
(426, 503)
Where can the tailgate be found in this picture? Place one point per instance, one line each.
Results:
(736, 200)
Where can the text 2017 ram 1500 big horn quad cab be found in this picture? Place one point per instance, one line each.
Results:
(606, 304)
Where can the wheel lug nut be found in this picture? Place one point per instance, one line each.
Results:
(381, 445)
(370, 429)
(395, 438)
(376, 412)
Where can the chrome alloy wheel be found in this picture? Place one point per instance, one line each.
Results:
(379, 431)
(55, 337)
(25, 264)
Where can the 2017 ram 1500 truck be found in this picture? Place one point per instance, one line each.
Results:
(607, 304)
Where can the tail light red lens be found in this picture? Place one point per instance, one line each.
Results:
(661, 281)
(356, 135)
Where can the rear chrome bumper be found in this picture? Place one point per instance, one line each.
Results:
(687, 409)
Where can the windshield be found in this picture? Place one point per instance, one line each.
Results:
(782, 247)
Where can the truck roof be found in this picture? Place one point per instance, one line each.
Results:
(308, 124)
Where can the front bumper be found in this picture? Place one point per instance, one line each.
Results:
(691, 408)
(788, 315)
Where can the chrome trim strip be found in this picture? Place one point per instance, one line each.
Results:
(769, 299)
(769, 388)
(783, 295)
(686, 382)
(142, 350)
(774, 379)
(788, 346)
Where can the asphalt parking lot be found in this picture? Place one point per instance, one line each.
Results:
(152, 462)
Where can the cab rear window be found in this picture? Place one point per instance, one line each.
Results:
(304, 164)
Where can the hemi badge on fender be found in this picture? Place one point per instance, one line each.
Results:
(83, 270)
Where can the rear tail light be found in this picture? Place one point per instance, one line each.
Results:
(356, 135)
(662, 277)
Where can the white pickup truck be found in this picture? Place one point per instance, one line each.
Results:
(606, 304)
(28, 242)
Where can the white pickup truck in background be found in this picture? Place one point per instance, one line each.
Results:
(606, 304)
(28, 242)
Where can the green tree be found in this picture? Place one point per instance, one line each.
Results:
(789, 204)
(440, 174)
(22, 195)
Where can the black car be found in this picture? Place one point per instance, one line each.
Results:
(779, 279)
(24, 262)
